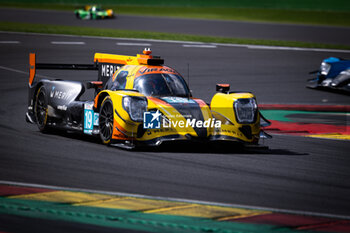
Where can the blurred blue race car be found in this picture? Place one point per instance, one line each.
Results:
(333, 75)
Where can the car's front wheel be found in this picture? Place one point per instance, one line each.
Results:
(106, 120)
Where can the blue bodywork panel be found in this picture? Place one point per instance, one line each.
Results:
(337, 66)
(337, 78)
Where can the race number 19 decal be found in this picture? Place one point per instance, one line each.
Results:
(90, 118)
(88, 123)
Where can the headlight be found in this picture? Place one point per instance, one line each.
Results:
(325, 67)
(135, 106)
(245, 110)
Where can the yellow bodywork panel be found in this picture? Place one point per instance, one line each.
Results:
(221, 109)
(222, 106)
(124, 128)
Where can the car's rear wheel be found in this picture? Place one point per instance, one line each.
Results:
(41, 110)
(106, 120)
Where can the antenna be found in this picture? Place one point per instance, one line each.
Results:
(188, 80)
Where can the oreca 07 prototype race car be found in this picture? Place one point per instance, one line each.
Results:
(93, 12)
(333, 75)
(139, 102)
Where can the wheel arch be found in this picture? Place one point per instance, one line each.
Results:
(99, 99)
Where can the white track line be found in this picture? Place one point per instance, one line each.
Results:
(296, 212)
(103, 37)
(23, 72)
(295, 48)
(189, 42)
(283, 48)
(133, 44)
(208, 46)
(10, 42)
(68, 42)
(14, 70)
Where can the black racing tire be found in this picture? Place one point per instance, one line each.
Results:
(106, 120)
(77, 15)
(41, 110)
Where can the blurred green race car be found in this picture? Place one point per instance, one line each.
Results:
(93, 12)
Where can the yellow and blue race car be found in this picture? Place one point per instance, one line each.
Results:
(140, 102)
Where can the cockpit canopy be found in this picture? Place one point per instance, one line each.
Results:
(161, 84)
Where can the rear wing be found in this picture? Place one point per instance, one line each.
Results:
(105, 64)
(33, 66)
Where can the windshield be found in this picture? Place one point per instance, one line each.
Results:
(161, 85)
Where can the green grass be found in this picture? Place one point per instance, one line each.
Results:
(72, 30)
(321, 14)
(245, 14)
(318, 5)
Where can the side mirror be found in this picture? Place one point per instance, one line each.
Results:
(223, 88)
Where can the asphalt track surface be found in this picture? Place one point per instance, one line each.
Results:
(237, 29)
(295, 173)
